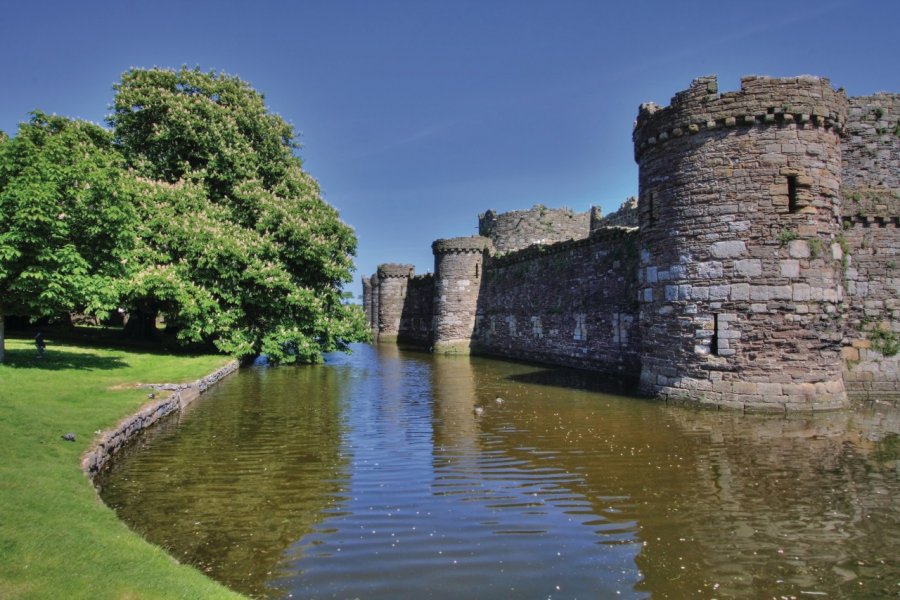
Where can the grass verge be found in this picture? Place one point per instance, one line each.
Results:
(57, 539)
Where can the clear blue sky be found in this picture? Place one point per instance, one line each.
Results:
(417, 115)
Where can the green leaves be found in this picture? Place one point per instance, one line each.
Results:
(194, 206)
(64, 223)
(238, 246)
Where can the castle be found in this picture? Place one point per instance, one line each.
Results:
(756, 270)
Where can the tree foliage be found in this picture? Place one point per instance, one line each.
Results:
(237, 244)
(66, 221)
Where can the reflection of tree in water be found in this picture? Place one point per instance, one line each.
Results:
(278, 434)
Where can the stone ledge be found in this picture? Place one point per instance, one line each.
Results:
(111, 441)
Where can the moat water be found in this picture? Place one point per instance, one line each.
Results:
(389, 474)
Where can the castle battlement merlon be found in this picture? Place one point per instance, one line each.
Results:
(475, 243)
(396, 270)
(804, 100)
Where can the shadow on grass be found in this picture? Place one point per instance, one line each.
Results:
(60, 360)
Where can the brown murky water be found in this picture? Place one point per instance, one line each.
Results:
(388, 474)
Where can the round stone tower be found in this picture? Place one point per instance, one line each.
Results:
(373, 316)
(458, 270)
(741, 270)
(367, 299)
(392, 282)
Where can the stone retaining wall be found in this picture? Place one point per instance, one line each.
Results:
(182, 394)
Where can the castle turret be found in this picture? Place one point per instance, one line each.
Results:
(392, 282)
(367, 299)
(740, 226)
(458, 269)
(373, 316)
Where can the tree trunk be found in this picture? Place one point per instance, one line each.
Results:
(2, 335)
(141, 325)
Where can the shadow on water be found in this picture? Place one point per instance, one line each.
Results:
(576, 379)
(61, 360)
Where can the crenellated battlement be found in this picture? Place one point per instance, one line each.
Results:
(397, 270)
(474, 243)
(807, 101)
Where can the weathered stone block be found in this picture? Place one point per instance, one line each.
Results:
(740, 291)
(709, 270)
(798, 249)
(729, 249)
(789, 268)
(751, 267)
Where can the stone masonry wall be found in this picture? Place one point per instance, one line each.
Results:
(624, 216)
(519, 229)
(871, 216)
(740, 260)
(367, 300)
(375, 293)
(570, 303)
(417, 315)
(458, 274)
(871, 147)
(392, 281)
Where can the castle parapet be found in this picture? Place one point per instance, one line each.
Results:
(474, 243)
(389, 270)
(761, 100)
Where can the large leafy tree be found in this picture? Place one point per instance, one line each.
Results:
(238, 246)
(66, 221)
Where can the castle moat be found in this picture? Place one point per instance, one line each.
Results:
(397, 474)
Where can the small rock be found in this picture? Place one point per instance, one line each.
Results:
(69, 437)
(498, 400)
(151, 395)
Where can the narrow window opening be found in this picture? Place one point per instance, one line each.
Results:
(714, 342)
(792, 194)
(651, 208)
(476, 270)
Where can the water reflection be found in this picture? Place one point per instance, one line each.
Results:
(230, 485)
(389, 474)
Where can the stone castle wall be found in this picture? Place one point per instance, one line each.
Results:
(570, 303)
(871, 147)
(418, 311)
(519, 229)
(761, 274)
(871, 222)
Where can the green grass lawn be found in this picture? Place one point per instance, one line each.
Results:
(57, 539)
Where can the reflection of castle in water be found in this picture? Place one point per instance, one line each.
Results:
(725, 504)
(455, 419)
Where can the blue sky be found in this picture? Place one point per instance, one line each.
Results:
(415, 116)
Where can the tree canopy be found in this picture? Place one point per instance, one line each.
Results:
(66, 220)
(231, 239)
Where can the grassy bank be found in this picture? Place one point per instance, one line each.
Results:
(57, 540)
